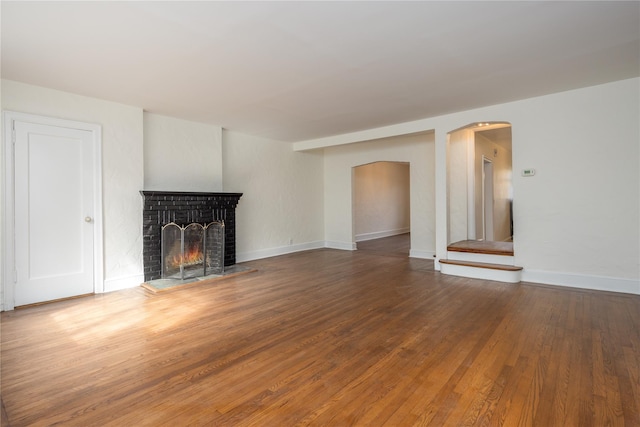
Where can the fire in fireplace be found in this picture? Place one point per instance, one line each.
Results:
(183, 208)
(193, 250)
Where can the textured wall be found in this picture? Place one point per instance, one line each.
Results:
(180, 155)
(382, 200)
(458, 147)
(576, 221)
(281, 209)
(580, 212)
(417, 151)
(122, 169)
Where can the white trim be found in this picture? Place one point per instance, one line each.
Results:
(583, 281)
(380, 234)
(123, 282)
(471, 187)
(8, 199)
(8, 221)
(281, 250)
(476, 257)
(481, 273)
(345, 246)
(415, 253)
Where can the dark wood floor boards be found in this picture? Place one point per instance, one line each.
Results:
(328, 337)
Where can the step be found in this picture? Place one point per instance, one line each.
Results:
(481, 270)
(483, 251)
(482, 247)
(480, 257)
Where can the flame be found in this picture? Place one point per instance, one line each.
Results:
(191, 257)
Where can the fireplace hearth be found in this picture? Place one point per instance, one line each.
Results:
(184, 209)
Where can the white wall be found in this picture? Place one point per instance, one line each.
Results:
(181, 155)
(2, 213)
(418, 151)
(458, 151)
(122, 167)
(579, 215)
(381, 201)
(281, 209)
(577, 220)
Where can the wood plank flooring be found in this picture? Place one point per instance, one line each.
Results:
(398, 246)
(327, 338)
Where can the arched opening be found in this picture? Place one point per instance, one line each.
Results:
(479, 176)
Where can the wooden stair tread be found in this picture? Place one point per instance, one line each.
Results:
(482, 247)
(503, 267)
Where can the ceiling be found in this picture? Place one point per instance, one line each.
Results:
(295, 71)
(500, 136)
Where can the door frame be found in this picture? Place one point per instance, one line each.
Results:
(8, 198)
(487, 199)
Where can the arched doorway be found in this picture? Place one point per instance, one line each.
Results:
(479, 176)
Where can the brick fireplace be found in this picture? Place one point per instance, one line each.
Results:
(183, 208)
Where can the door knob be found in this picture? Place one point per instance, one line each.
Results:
(87, 219)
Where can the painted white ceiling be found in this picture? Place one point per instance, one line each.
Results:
(500, 136)
(295, 71)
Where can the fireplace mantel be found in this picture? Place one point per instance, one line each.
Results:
(182, 207)
(146, 193)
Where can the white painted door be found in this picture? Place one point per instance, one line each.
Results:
(54, 216)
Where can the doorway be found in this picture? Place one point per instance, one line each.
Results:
(381, 207)
(487, 199)
(479, 180)
(53, 232)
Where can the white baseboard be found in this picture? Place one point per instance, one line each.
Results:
(415, 253)
(123, 282)
(380, 234)
(598, 283)
(282, 250)
(345, 246)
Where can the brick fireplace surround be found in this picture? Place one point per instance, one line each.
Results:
(163, 207)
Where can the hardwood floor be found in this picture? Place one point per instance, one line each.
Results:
(327, 338)
(398, 245)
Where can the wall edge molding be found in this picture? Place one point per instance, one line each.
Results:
(380, 234)
(276, 251)
(582, 281)
(416, 253)
(345, 246)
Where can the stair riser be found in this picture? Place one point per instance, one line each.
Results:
(481, 273)
(486, 258)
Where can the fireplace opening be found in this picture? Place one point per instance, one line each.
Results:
(193, 250)
(182, 208)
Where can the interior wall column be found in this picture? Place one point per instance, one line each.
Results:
(442, 213)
